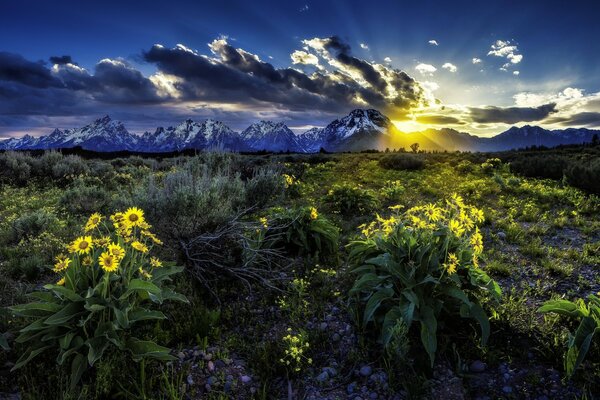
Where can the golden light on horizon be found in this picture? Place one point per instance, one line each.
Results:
(411, 125)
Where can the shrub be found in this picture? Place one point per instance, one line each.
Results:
(491, 165)
(82, 199)
(581, 340)
(265, 184)
(32, 224)
(392, 190)
(584, 175)
(348, 199)
(15, 167)
(302, 232)
(400, 161)
(69, 168)
(107, 284)
(422, 266)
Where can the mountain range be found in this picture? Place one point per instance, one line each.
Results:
(359, 130)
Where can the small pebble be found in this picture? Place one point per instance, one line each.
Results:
(245, 379)
(366, 370)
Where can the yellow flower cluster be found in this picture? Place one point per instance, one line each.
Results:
(110, 250)
(289, 180)
(263, 221)
(451, 264)
(314, 214)
(295, 346)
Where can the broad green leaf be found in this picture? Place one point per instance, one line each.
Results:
(78, 367)
(28, 356)
(428, 331)
(138, 285)
(147, 349)
(97, 346)
(141, 314)
(69, 312)
(65, 292)
(375, 301)
(563, 307)
(35, 309)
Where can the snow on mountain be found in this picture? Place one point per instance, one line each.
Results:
(359, 130)
(267, 135)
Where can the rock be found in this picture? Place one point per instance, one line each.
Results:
(366, 370)
(190, 380)
(197, 353)
(323, 377)
(350, 388)
(219, 364)
(211, 366)
(211, 380)
(501, 235)
(373, 396)
(330, 371)
(477, 366)
(323, 326)
(181, 355)
(246, 379)
(336, 337)
(507, 389)
(227, 386)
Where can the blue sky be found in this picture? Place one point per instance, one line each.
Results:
(478, 67)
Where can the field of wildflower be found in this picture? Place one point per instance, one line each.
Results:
(285, 276)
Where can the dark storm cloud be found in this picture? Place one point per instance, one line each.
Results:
(587, 118)
(439, 120)
(341, 51)
(15, 68)
(61, 60)
(237, 75)
(511, 115)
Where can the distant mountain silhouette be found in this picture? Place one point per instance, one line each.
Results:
(359, 130)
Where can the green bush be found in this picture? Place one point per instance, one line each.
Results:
(82, 199)
(422, 267)
(32, 224)
(348, 199)
(302, 232)
(491, 165)
(584, 175)
(400, 161)
(108, 284)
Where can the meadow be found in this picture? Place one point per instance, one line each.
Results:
(377, 275)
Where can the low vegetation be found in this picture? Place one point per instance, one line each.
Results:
(384, 275)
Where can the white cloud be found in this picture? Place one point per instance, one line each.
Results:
(505, 49)
(304, 8)
(364, 46)
(515, 58)
(425, 69)
(450, 67)
(302, 57)
(476, 60)
(516, 72)
(387, 60)
(433, 42)
(430, 85)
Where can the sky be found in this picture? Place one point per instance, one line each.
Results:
(474, 66)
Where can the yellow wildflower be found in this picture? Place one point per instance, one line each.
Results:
(61, 281)
(155, 262)
(313, 213)
(475, 261)
(87, 261)
(116, 250)
(103, 241)
(456, 227)
(264, 222)
(477, 242)
(289, 180)
(93, 222)
(62, 263)
(139, 246)
(108, 262)
(134, 217)
(144, 273)
(452, 264)
(152, 236)
(82, 245)
(477, 214)
(433, 213)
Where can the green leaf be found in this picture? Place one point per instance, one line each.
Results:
(142, 314)
(389, 322)
(580, 344)
(65, 292)
(168, 294)
(138, 285)
(147, 349)
(476, 312)
(69, 312)
(562, 307)
(428, 331)
(35, 309)
(28, 356)
(97, 346)
(375, 301)
(78, 367)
